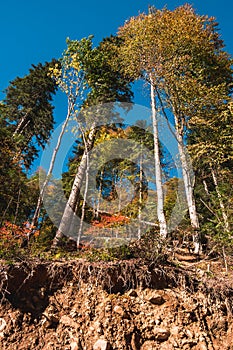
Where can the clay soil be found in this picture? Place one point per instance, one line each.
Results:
(126, 305)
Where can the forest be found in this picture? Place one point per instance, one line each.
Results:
(159, 174)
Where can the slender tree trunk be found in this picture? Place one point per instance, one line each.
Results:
(221, 203)
(5, 211)
(66, 221)
(120, 195)
(188, 190)
(140, 195)
(158, 172)
(206, 188)
(52, 162)
(23, 123)
(99, 195)
(84, 196)
(17, 206)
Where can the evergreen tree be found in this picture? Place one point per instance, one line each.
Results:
(30, 112)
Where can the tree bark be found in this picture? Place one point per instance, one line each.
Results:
(188, 189)
(67, 217)
(85, 195)
(22, 124)
(158, 172)
(97, 209)
(221, 204)
(51, 166)
(140, 195)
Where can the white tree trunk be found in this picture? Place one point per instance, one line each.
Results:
(68, 214)
(23, 123)
(221, 204)
(51, 166)
(158, 172)
(188, 189)
(84, 196)
(140, 195)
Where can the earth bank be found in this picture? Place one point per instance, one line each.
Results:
(78, 305)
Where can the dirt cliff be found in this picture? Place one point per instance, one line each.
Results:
(128, 304)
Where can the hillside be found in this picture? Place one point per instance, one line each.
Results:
(126, 304)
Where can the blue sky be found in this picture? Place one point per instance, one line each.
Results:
(35, 31)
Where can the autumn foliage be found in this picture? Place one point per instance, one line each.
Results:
(110, 221)
(12, 235)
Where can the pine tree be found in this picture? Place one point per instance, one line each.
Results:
(30, 112)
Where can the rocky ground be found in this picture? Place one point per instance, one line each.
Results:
(124, 305)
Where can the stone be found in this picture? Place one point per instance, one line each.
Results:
(149, 345)
(135, 341)
(108, 308)
(175, 331)
(101, 344)
(68, 321)
(157, 300)
(201, 346)
(119, 310)
(161, 334)
(132, 293)
(74, 346)
(2, 324)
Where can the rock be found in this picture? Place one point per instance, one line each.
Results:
(67, 321)
(132, 293)
(101, 344)
(201, 346)
(98, 327)
(119, 310)
(175, 331)
(74, 346)
(161, 334)
(149, 345)
(41, 293)
(108, 308)
(157, 300)
(135, 341)
(2, 324)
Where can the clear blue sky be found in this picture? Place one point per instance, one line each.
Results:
(35, 31)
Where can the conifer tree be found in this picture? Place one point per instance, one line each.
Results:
(28, 107)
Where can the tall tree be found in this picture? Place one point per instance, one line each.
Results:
(106, 84)
(212, 150)
(182, 52)
(29, 109)
(71, 80)
(17, 192)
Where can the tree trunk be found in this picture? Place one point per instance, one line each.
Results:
(84, 196)
(23, 123)
(17, 206)
(188, 189)
(52, 162)
(158, 172)
(221, 204)
(99, 195)
(140, 195)
(66, 220)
